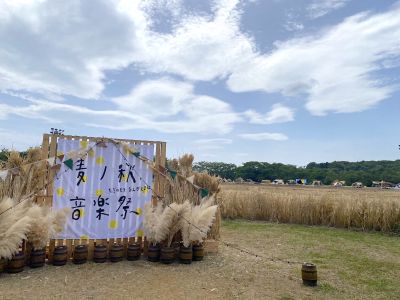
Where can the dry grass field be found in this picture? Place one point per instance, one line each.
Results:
(345, 207)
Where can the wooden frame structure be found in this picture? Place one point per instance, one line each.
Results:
(49, 149)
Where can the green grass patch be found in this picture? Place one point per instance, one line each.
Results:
(352, 263)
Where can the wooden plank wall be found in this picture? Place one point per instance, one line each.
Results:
(49, 149)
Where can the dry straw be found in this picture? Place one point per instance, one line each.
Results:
(20, 218)
(178, 189)
(344, 208)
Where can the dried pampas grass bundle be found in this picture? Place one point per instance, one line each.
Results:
(26, 175)
(14, 226)
(201, 218)
(180, 190)
(186, 164)
(170, 221)
(151, 219)
(45, 224)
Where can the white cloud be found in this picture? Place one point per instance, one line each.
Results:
(180, 111)
(293, 26)
(278, 114)
(199, 47)
(319, 8)
(222, 141)
(64, 47)
(263, 136)
(333, 69)
(156, 98)
(214, 143)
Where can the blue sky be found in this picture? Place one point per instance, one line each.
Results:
(289, 81)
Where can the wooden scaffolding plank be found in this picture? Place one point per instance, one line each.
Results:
(49, 189)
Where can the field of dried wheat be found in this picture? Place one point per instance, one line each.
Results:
(366, 209)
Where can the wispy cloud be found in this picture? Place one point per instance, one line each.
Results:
(214, 143)
(278, 114)
(319, 8)
(264, 136)
(334, 69)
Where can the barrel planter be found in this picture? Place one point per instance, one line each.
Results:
(134, 251)
(80, 254)
(2, 265)
(309, 274)
(167, 255)
(198, 252)
(186, 255)
(177, 249)
(116, 252)
(37, 258)
(100, 254)
(153, 253)
(60, 255)
(17, 263)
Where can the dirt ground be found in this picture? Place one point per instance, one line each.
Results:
(228, 275)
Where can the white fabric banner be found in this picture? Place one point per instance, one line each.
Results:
(105, 191)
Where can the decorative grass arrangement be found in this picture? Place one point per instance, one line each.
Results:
(45, 225)
(178, 189)
(20, 218)
(27, 221)
(14, 227)
(24, 178)
(190, 222)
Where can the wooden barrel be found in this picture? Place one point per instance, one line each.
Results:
(167, 255)
(100, 254)
(37, 258)
(2, 265)
(309, 274)
(186, 255)
(198, 252)
(134, 251)
(153, 253)
(60, 255)
(17, 263)
(116, 252)
(80, 254)
(177, 249)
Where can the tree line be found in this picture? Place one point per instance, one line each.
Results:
(327, 173)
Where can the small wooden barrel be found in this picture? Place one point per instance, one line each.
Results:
(60, 255)
(17, 263)
(177, 249)
(186, 255)
(153, 253)
(167, 255)
(309, 274)
(2, 265)
(37, 258)
(198, 252)
(80, 254)
(116, 252)
(100, 254)
(134, 251)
